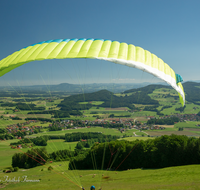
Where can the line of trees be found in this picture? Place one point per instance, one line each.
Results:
(181, 109)
(89, 142)
(39, 141)
(164, 121)
(71, 137)
(61, 155)
(58, 113)
(164, 151)
(6, 136)
(22, 106)
(30, 159)
(38, 119)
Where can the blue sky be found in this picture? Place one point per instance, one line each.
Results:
(169, 29)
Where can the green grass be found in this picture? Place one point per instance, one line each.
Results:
(145, 113)
(93, 102)
(130, 132)
(52, 145)
(59, 144)
(141, 133)
(190, 109)
(135, 138)
(166, 129)
(55, 102)
(4, 123)
(181, 177)
(97, 102)
(107, 131)
(6, 153)
(187, 124)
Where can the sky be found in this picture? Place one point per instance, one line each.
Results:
(168, 28)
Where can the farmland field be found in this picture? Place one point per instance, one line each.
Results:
(55, 145)
(106, 131)
(159, 133)
(187, 124)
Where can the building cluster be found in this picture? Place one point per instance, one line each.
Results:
(188, 117)
(29, 127)
(23, 127)
(98, 122)
(182, 117)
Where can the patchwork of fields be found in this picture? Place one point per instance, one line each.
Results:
(183, 177)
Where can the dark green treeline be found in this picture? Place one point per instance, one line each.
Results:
(164, 151)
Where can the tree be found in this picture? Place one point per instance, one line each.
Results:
(112, 115)
(79, 145)
(16, 169)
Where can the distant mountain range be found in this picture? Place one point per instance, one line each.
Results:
(76, 88)
(192, 89)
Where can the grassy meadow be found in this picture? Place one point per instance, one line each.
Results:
(181, 177)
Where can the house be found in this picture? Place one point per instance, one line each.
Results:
(8, 171)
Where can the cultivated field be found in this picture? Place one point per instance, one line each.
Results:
(159, 133)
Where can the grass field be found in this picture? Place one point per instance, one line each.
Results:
(187, 124)
(160, 133)
(52, 145)
(141, 133)
(135, 138)
(4, 123)
(93, 102)
(59, 144)
(6, 153)
(106, 131)
(182, 177)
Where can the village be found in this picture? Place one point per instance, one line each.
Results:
(30, 127)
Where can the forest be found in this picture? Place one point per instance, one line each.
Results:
(164, 121)
(164, 151)
(72, 137)
(110, 100)
(22, 106)
(39, 141)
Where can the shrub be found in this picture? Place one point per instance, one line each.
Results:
(16, 169)
(50, 168)
(11, 169)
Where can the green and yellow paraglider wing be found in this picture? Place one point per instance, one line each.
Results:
(114, 51)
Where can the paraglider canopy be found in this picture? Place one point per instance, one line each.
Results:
(113, 51)
(178, 78)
